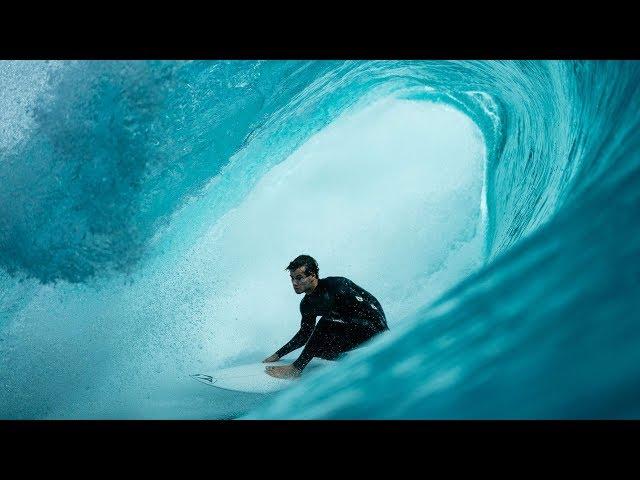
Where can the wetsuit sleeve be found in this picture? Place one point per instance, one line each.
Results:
(307, 324)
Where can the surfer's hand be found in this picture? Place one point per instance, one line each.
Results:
(272, 358)
(283, 371)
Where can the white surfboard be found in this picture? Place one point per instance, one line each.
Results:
(253, 378)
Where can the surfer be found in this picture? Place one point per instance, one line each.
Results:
(349, 317)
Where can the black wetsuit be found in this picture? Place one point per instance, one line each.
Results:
(350, 316)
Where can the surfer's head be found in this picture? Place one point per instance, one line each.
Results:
(304, 273)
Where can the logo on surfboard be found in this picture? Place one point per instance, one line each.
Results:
(203, 378)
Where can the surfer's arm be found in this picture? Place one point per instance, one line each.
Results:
(307, 324)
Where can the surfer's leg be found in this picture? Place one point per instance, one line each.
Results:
(329, 339)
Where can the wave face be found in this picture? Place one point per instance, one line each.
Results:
(147, 210)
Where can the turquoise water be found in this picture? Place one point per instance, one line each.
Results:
(148, 209)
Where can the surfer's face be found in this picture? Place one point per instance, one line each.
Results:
(302, 282)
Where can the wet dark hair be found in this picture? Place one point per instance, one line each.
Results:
(309, 264)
